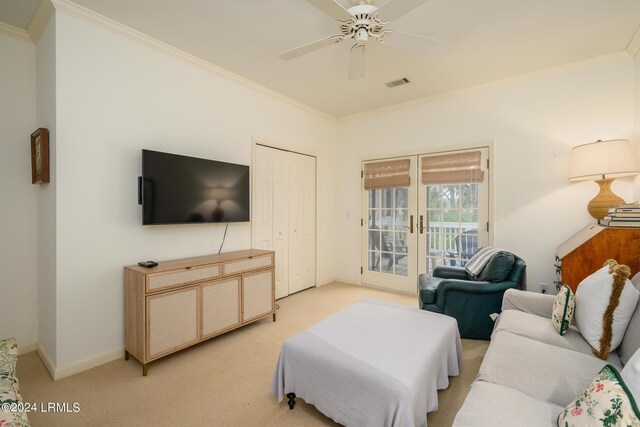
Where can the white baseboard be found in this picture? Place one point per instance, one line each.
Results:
(27, 348)
(347, 281)
(48, 363)
(87, 364)
(83, 365)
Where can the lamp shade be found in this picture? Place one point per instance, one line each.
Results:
(603, 160)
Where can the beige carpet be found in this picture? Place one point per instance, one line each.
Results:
(222, 382)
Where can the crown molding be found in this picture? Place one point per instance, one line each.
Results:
(634, 44)
(40, 19)
(573, 66)
(15, 32)
(87, 15)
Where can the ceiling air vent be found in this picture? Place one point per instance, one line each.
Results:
(402, 81)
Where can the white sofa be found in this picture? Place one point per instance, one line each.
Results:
(530, 372)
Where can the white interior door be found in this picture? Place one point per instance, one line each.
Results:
(284, 215)
(453, 200)
(262, 206)
(431, 210)
(389, 257)
(301, 222)
(281, 220)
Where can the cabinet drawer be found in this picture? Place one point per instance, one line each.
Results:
(247, 264)
(167, 279)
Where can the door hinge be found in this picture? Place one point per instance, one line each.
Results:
(361, 270)
(487, 163)
(361, 222)
(361, 174)
(487, 226)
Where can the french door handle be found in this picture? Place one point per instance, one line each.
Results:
(421, 227)
(411, 224)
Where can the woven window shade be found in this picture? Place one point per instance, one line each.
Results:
(386, 174)
(455, 168)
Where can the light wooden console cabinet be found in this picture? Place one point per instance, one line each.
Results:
(183, 302)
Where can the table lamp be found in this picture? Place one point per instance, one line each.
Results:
(603, 161)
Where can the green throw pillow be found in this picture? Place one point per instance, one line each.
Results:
(563, 308)
(606, 402)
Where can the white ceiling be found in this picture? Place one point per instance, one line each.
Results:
(487, 40)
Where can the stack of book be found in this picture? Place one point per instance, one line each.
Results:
(624, 216)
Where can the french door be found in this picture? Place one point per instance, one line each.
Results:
(422, 211)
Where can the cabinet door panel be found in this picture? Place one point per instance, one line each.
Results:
(172, 321)
(220, 306)
(257, 294)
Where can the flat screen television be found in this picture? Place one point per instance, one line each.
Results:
(179, 189)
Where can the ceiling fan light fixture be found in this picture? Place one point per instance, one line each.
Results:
(361, 36)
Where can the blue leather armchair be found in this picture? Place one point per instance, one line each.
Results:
(471, 300)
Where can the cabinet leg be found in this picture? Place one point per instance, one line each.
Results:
(145, 369)
(126, 355)
(292, 400)
(274, 317)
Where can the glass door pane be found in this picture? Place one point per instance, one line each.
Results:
(455, 217)
(390, 243)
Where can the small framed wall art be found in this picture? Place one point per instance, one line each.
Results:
(40, 156)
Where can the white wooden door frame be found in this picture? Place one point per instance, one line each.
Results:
(266, 142)
(490, 145)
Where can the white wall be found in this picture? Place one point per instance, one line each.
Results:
(47, 207)
(18, 315)
(637, 121)
(115, 97)
(533, 122)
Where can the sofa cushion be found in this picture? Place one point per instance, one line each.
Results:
(631, 341)
(606, 401)
(631, 375)
(498, 267)
(495, 405)
(541, 329)
(528, 302)
(563, 308)
(541, 370)
(602, 293)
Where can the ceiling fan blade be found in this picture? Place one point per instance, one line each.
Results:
(357, 62)
(394, 9)
(332, 8)
(414, 43)
(309, 47)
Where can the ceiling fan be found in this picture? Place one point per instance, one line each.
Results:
(363, 22)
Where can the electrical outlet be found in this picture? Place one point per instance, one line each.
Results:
(544, 287)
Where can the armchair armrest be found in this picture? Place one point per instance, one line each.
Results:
(528, 302)
(447, 272)
(466, 286)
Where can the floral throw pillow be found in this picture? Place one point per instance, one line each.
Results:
(606, 402)
(9, 393)
(563, 308)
